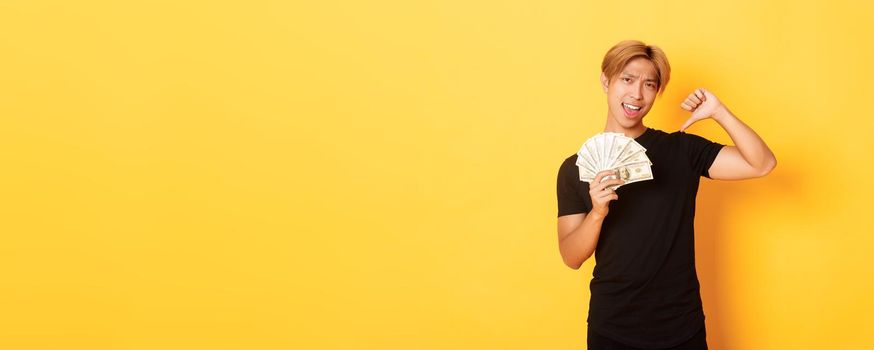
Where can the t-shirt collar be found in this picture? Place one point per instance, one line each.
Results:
(645, 133)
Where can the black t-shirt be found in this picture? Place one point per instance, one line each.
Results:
(645, 290)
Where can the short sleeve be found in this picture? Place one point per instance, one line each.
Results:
(570, 189)
(701, 153)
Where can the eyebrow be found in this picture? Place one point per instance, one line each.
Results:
(634, 76)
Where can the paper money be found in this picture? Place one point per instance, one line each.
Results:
(613, 151)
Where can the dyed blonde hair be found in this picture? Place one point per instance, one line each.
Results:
(623, 52)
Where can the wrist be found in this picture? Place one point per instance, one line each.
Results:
(722, 114)
(596, 215)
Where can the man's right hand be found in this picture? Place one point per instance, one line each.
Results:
(601, 193)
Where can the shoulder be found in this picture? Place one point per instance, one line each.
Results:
(570, 161)
(687, 137)
(568, 168)
(686, 140)
(568, 164)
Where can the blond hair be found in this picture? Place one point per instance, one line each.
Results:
(623, 52)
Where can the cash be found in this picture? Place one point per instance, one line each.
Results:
(613, 151)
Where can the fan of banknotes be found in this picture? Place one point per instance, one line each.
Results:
(613, 151)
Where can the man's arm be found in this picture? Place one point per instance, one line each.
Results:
(577, 237)
(578, 233)
(749, 158)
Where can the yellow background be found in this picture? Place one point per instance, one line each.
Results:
(381, 174)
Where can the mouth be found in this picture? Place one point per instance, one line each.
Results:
(631, 110)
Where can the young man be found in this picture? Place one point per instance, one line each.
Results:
(645, 291)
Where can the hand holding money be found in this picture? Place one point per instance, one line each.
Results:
(601, 193)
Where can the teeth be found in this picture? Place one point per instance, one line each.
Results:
(631, 107)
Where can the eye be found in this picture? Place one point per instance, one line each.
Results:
(626, 79)
(651, 85)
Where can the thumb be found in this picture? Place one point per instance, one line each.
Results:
(688, 122)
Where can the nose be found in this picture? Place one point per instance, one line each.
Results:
(637, 91)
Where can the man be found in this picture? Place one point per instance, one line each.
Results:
(644, 290)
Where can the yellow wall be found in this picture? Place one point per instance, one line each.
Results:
(381, 174)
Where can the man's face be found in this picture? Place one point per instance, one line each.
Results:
(634, 87)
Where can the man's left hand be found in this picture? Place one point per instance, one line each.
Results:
(702, 104)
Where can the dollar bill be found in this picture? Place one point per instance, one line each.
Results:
(631, 173)
(638, 157)
(613, 151)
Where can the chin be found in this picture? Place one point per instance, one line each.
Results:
(631, 125)
(628, 123)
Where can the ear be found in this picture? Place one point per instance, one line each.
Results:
(604, 82)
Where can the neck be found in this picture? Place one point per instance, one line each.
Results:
(632, 132)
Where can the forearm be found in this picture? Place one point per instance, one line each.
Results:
(579, 245)
(751, 147)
